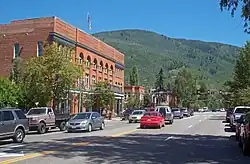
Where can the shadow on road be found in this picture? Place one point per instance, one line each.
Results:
(145, 148)
(228, 130)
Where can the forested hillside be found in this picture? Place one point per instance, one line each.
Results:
(149, 51)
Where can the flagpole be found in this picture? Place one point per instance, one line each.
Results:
(89, 22)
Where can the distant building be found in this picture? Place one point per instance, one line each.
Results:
(137, 91)
(164, 96)
(99, 61)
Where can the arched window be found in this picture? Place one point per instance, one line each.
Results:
(16, 52)
(39, 48)
(106, 68)
(95, 63)
(101, 66)
(80, 59)
(112, 70)
(88, 61)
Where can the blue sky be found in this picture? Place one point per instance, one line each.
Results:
(190, 19)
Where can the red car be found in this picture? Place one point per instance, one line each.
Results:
(152, 119)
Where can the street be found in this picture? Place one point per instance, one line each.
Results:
(202, 138)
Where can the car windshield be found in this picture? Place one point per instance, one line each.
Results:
(137, 112)
(81, 116)
(175, 109)
(37, 111)
(150, 114)
(242, 110)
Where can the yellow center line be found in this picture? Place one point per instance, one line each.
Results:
(124, 133)
(34, 155)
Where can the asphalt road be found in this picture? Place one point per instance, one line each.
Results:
(200, 139)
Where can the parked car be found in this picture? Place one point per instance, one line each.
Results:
(152, 119)
(166, 112)
(136, 116)
(42, 119)
(185, 112)
(244, 139)
(177, 112)
(86, 121)
(229, 112)
(237, 112)
(13, 124)
(238, 125)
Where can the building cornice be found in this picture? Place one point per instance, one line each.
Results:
(58, 37)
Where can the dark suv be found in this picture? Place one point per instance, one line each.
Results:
(13, 124)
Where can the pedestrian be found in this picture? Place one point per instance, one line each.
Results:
(109, 114)
(104, 112)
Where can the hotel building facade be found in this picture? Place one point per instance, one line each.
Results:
(100, 62)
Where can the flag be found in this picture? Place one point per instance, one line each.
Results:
(89, 22)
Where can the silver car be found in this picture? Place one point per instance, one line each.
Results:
(136, 116)
(177, 112)
(86, 121)
(166, 112)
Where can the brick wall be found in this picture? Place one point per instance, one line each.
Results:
(26, 33)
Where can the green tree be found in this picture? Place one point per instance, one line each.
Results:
(134, 76)
(16, 70)
(146, 100)
(203, 93)
(133, 102)
(242, 71)
(241, 78)
(9, 93)
(232, 5)
(48, 77)
(102, 95)
(159, 84)
(185, 88)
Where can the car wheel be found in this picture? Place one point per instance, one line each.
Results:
(102, 126)
(159, 127)
(163, 125)
(171, 122)
(62, 126)
(142, 127)
(89, 128)
(130, 121)
(19, 136)
(41, 128)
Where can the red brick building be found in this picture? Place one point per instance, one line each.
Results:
(137, 91)
(100, 61)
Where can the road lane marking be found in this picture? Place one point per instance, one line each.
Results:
(185, 118)
(124, 133)
(5, 155)
(169, 138)
(34, 155)
(190, 126)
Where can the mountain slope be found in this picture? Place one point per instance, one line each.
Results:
(149, 51)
